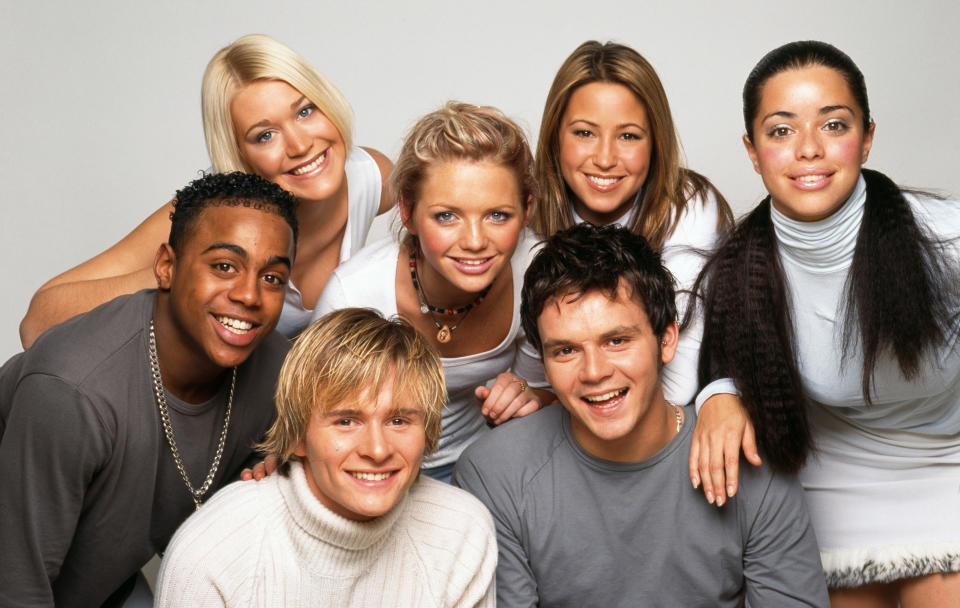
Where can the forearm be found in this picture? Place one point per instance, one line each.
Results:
(57, 303)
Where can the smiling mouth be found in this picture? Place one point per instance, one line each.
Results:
(236, 326)
(603, 182)
(311, 166)
(362, 476)
(604, 400)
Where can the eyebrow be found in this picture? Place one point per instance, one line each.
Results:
(616, 331)
(240, 251)
(280, 259)
(823, 110)
(620, 126)
(237, 249)
(266, 122)
(402, 411)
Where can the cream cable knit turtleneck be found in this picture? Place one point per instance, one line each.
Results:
(272, 543)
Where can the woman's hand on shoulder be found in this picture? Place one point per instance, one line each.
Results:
(509, 397)
(723, 428)
(386, 167)
(124, 268)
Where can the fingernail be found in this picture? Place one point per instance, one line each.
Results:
(710, 497)
(720, 500)
(730, 490)
(696, 482)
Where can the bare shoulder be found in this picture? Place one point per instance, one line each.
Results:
(386, 168)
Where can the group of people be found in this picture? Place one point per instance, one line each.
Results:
(535, 334)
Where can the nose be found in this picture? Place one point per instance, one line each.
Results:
(809, 145)
(605, 154)
(246, 290)
(595, 366)
(297, 142)
(374, 444)
(473, 237)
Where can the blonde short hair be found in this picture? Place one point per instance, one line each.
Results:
(461, 131)
(343, 354)
(259, 57)
(668, 185)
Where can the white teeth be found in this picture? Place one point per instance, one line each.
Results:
(603, 181)
(809, 178)
(311, 166)
(471, 262)
(370, 476)
(235, 325)
(604, 397)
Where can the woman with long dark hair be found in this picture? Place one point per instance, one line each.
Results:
(833, 309)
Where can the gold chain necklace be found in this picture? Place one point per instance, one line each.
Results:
(161, 398)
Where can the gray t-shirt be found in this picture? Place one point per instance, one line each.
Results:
(575, 530)
(84, 451)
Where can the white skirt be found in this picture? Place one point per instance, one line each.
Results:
(885, 504)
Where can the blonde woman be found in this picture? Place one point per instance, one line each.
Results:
(463, 181)
(609, 154)
(265, 111)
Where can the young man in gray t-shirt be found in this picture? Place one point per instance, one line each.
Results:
(592, 500)
(115, 425)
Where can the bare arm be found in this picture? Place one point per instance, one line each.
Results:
(125, 268)
(386, 167)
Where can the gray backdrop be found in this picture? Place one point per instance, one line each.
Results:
(101, 116)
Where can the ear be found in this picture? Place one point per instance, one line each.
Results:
(163, 266)
(867, 143)
(668, 343)
(751, 152)
(406, 215)
(300, 451)
(526, 214)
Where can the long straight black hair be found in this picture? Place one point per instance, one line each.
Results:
(899, 301)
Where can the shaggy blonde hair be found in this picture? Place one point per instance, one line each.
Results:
(259, 57)
(343, 354)
(668, 185)
(461, 131)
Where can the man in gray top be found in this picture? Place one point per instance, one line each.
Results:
(116, 424)
(592, 501)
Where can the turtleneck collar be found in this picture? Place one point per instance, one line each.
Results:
(825, 245)
(326, 526)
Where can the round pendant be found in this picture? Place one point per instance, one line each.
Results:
(443, 336)
(423, 309)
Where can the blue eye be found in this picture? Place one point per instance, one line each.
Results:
(444, 217)
(500, 216)
(306, 111)
(264, 137)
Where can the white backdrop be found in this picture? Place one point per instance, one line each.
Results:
(101, 117)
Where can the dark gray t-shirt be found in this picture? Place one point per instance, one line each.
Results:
(84, 452)
(574, 530)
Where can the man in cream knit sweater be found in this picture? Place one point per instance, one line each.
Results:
(347, 521)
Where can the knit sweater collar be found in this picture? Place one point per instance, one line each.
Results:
(326, 526)
(825, 245)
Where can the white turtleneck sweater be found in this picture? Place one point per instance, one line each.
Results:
(272, 543)
(816, 259)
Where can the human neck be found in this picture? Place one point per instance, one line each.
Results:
(186, 372)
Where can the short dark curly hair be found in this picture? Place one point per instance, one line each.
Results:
(585, 258)
(233, 190)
